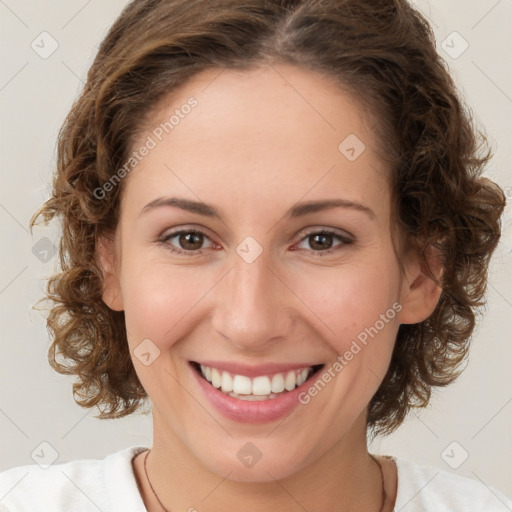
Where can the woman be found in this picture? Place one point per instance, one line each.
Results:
(275, 228)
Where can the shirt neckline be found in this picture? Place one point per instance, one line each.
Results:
(120, 472)
(121, 481)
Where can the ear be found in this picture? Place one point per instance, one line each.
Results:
(108, 259)
(420, 293)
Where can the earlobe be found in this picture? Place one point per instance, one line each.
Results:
(420, 291)
(111, 288)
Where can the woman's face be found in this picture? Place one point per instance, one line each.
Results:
(254, 239)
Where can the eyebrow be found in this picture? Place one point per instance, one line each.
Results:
(295, 211)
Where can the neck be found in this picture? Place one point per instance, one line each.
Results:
(346, 478)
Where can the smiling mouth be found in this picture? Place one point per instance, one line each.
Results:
(262, 387)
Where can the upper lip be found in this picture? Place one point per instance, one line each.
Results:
(251, 370)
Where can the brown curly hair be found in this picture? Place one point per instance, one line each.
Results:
(383, 53)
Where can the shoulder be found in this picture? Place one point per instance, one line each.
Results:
(106, 484)
(425, 488)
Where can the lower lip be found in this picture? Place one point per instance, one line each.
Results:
(244, 411)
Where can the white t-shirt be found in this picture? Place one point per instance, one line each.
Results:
(109, 485)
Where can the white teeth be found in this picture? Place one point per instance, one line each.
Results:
(303, 375)
(226, 382)
(262, 387)
(216, 378)
(242, 385)
(277, 383)
(253, 398)
(290, 381)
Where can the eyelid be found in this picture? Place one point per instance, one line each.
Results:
(193, 228)
(331, 231)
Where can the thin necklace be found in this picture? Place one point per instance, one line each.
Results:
(167, 510)
(149, 482)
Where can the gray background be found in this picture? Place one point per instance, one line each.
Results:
(472, 418)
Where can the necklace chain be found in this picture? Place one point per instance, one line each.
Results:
(167, 510)
(149, 482)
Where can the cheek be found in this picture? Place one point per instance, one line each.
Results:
(358, 308)
(158, 300)
(354, 302)
(162, 300)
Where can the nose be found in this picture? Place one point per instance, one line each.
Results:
(253, 307)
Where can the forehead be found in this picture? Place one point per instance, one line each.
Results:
(271, 134)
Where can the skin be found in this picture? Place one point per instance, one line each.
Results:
(258, 142)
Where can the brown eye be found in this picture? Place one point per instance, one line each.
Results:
(191, 241)
(323, 242)
(320, 241)
(188, 242)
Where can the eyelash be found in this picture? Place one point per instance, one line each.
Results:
(165, 241)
